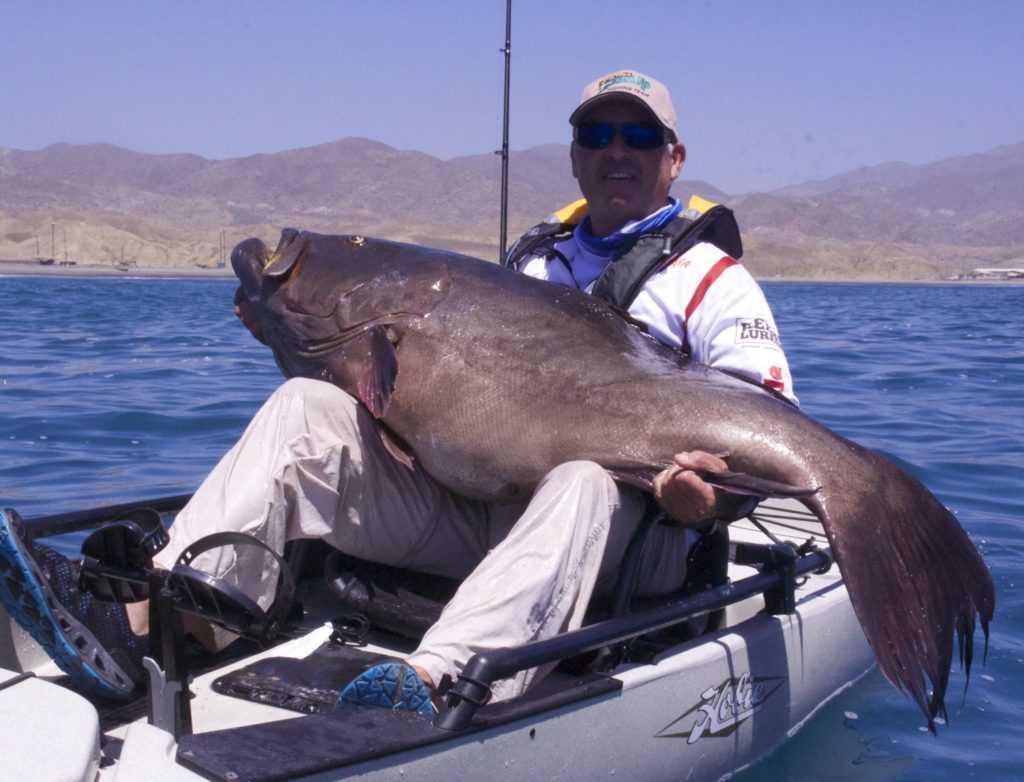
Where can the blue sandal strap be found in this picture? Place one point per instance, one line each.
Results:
(390, 686)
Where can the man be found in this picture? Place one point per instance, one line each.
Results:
(310, 466)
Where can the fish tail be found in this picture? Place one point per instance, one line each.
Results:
(913, 575)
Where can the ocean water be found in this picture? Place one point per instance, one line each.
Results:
(118, 390)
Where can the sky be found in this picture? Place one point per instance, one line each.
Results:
(767, 93)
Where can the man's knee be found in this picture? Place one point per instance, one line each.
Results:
(314, 395)
(583, 473)
(301, 407)
(596, 499)
(313, 390)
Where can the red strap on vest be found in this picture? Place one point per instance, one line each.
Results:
(698, 295)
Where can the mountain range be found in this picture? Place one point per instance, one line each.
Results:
(101, 205)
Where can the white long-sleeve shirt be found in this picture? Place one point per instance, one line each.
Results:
(704, 303)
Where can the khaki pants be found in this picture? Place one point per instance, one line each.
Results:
(311, 464)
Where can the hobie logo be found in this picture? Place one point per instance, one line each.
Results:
(723, 708)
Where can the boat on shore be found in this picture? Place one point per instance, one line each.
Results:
(695, 686)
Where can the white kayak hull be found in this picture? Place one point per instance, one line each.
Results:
(700, 710)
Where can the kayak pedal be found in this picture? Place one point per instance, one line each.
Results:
(118, 567)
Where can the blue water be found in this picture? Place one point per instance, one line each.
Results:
(116, 390)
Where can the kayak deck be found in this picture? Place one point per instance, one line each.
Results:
(711, 704)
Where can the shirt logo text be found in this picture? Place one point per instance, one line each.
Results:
(756, 331)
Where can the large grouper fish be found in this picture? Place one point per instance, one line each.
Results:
(489, 379)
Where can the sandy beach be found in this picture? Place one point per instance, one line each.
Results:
(35, 269)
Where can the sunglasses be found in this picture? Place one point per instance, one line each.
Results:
(636, 136)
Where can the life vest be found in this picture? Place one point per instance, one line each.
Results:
(622, 278)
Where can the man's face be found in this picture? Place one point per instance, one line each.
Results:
(620, 183)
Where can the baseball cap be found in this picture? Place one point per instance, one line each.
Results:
(630, 86)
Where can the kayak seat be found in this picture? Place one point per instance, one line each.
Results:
(396, 600)
(707, 566)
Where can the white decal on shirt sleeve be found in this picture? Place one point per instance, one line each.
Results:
(757, 332)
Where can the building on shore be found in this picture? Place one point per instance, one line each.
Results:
(1008, 273)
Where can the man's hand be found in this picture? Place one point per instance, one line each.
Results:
(244, 312)
(682, 492)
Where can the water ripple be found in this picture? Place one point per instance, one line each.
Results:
(124, 389)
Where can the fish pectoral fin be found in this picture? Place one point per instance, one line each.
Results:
(376, 381)
(366, 366)
(752, 486)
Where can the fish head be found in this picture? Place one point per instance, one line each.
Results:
(270, 300)
(305, 269)
(334, 307)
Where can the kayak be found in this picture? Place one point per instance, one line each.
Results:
(695, 686)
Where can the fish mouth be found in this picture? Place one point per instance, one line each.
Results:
(253, 262)
(248, 259)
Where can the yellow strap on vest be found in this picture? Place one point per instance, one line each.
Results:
(700, 204)
(572, 214)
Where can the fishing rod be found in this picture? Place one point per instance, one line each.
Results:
(503, 238)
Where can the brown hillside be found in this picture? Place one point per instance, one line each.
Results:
(111, 206)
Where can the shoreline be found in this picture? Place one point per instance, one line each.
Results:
(11, 268)
(33, 269)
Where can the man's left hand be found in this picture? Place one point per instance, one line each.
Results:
(682, 492)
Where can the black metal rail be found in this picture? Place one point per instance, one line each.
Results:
(776, 582)
(75, 521)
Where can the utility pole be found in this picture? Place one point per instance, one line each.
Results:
(53, 240)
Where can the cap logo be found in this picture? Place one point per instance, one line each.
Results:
(626, 80)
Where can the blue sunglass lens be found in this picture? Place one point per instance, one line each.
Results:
(594, 136)
(643, 136)
(600, 135)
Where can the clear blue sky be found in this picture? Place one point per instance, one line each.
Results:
(768, 93)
